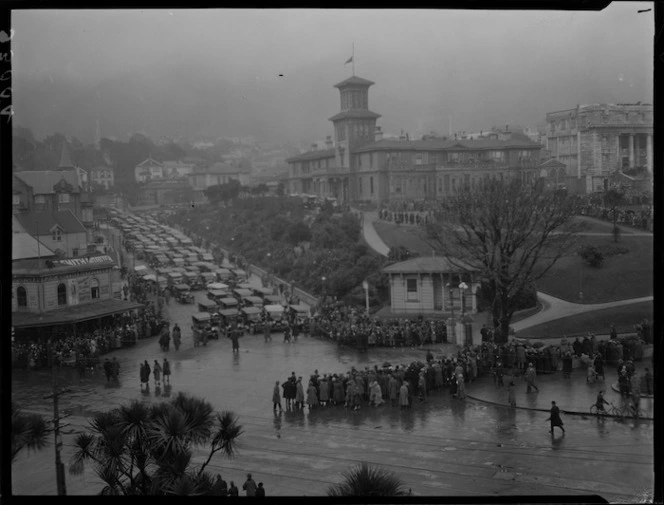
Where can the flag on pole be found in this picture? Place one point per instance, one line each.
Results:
(349, 60)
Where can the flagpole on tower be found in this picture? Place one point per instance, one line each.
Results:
(353, 59)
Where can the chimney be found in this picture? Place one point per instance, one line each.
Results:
(328, 142)
(378, 134)
(314, 146)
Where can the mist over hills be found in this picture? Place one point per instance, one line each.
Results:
(192, 99)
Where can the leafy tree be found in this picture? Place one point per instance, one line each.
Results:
(509, 231)
(281, 189)
(223, 192)
(28, 431)
(147, 450)
(368, 480)
(298, 232)
(591, 255)
(614, 197)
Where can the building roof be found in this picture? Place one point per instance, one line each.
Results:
(41, 223)
(73, 313)
(428, 264)
(100, 168)
(552, 162)
(43, 181)
(222, 168)
(25, 246)
(438, 144)
(354, 81)
(355, 114)
(313, 155)
(150, 162)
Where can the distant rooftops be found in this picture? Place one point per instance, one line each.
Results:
(45, 182)
(41, 223)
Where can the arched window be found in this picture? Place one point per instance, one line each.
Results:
(22, 297)
(62, 294)
(94, 289)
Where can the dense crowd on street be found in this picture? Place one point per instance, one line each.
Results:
(83, 350)
(399, 385)
(351, 327)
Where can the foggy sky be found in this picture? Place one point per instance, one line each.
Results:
(476, 68)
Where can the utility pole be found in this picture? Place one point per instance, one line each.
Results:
(59, 465)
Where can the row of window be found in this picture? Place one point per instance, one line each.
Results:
(22, 296)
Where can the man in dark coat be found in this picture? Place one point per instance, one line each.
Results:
(555, 418)
(107, 369)
(234, 336)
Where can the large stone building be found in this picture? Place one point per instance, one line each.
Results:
(359, 165)
(595, 141)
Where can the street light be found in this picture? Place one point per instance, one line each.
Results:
(463, 286)
(449, 287)
(365, 285)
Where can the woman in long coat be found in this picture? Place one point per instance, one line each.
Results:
(156, 371)
(403, 396)
(323, 392)
(338, 394)
(393, 387)
(299, 394)
(312, 400)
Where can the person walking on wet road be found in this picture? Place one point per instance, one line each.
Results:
(145, 374)
(276, 398)
(235, 336)
(107, 369)
(530, 378)
(555, 418)
(166, 371)
(177, 336)
(299, 394)
(393, 388)
(156, 371)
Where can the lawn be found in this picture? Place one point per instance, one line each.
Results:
(623, 276)
(598, 321)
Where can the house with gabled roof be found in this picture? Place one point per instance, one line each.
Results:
(46, 191)
(56, 230)
(149, 169)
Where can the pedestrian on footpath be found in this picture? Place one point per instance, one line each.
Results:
(299, 394)
(511, 393)
(249, 486)
(166, 370)
(267, 332)
(276, 398)
(156, 371)
(555, 418)
(530, 378)
(146, 374)
(403, 396)
(235, 340)
(461, 387)
(177, 336)
(107, 369)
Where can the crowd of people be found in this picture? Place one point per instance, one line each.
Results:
(83, 350)
(352, 327)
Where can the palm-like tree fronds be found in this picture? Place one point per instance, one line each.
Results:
(86, 449)
(227, 433)
(368, 480)
(27, 431)
(133, 419)
(169, 432)
(199, 414)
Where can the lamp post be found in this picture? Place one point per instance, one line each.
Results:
(462, 287)
(323, 279)
(365, 285)
(449, 287)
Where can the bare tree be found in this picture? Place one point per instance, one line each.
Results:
(512, 232)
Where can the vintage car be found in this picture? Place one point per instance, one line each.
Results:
(208, 306)
(194, 280)
(253, 319)
(228, 303)
(242, 293)
(182, 293)
(174, 278)
(252, 301)
(229, 316)
(217, 286)
(208, 277)
(216, 295)
(244, 285)
(239, 275)
(275, 314)
(299, 316)
(223, 274)
(202, 328)
(272, 299)
(262, 292)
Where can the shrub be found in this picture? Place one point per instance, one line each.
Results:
(591, 255)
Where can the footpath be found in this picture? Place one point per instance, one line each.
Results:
(574, 396)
